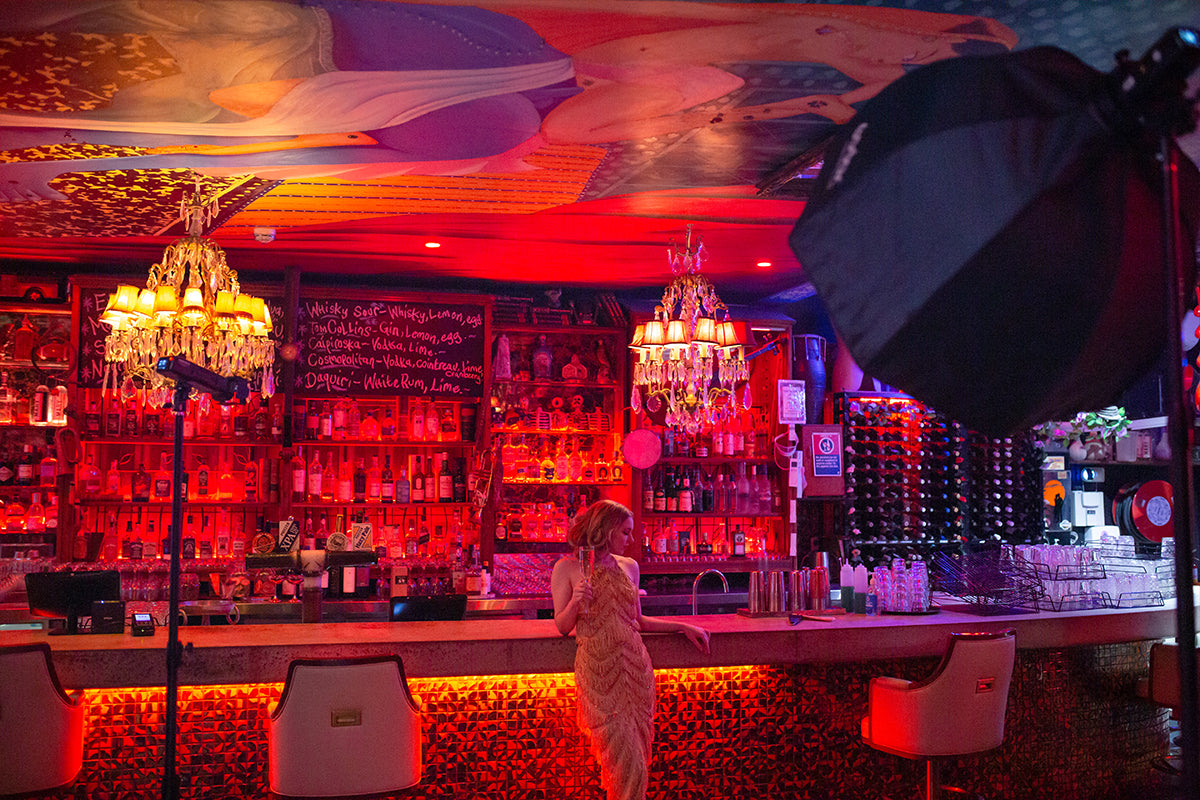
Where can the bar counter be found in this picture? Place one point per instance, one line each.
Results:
(774, 711)
(473, 647)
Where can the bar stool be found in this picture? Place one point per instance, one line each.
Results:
(41, 727)
(958, 710)
(344, 727)
(1162, 687)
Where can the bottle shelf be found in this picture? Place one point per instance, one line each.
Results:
(553, 431)
(381, 443)
(170, 441)
(25, 426)
(712, 460)
(551, 383)
(109, 502)
(372, 504)
(707, 515)
(13, 488)
(509, 482)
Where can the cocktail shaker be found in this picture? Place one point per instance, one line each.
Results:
(797, 590)
(775, 595)
(757, 593)
(818, 589)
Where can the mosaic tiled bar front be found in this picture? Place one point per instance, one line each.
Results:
(1074, 730)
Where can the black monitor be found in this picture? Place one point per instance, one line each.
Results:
(70, 594)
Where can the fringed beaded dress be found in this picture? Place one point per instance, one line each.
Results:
(615, 682)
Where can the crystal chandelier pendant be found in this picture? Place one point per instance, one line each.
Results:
(689, 353)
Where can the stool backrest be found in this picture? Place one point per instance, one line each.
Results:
(344, 727)
(41, 728)
(968, 693)
(1164, 675)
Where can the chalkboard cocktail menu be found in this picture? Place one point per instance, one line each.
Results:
(390, 347)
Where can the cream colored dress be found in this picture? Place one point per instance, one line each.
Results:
(616, 684)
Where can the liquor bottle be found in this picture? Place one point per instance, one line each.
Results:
(445, 481)
(308, 537)
(543, 360)
(460, 483)
(430, 482)
(87, 478)
(14, 516)
(251, 489)
(387, 428)
(374, 481)
(299, 481)
(685, 496)
(359, 481)
(387, 482)
(226, 486)
(162, 480)
(708, 496)
(416, 416)
(140, 486)
(766, 500)
(672, 491)
(368, 428)
(340, 413)
(575, 465)
(403, 488)
(277, 424)
(112, 481)
(311, 417)
(48, 468)
(433, 426)
(225, 421)
(130, 417)
(189, 420)
(562, 465)
(35, 514)
(659, 501)
(448, 425)
(25, 470)
(204, 486)
(257, 426)
(325, 428)
(39, 405)
(546, 463)
(418, 482)
(328, 480)
(92, 423)
(353, 420)
(7, 415)
(206, 417)
(616, 469)
(273, 469)
(344, 493)
(741, 504)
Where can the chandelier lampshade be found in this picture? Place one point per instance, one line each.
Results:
(192, 306)
(686, 358)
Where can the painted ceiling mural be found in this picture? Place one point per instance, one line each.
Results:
(347, 124)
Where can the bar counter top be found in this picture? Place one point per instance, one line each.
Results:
(218, 655)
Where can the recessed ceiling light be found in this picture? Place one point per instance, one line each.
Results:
(763, 264)
(433, 245)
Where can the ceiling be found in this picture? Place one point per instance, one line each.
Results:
(546, 142)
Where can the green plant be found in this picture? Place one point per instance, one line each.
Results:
(1108, 423)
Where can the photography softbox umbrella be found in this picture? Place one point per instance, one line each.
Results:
(986, 236)
(1009, 239)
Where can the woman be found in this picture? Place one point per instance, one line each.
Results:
(613, 674)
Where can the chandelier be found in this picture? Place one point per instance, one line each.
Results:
(192, 306)
(687, 357)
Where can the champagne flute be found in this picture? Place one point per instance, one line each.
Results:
(587, 561)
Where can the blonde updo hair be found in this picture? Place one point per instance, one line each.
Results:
(594, 526)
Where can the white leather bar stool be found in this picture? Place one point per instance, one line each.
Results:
(958, 710)
(344, 727)
(41, 727)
